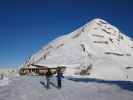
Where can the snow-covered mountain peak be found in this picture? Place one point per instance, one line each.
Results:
(103, 25)
(97, 47)
(98, 20)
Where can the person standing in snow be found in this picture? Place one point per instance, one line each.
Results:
(59, 77)
(48, 76)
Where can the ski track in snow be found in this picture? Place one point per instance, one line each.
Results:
(30, 88)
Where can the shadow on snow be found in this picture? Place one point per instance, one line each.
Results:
(127, 85)
(45, 85)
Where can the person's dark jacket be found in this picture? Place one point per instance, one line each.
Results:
(59, 76)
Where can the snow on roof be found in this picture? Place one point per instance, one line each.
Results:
(59, 65)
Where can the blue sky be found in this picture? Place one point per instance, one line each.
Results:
(27, 25)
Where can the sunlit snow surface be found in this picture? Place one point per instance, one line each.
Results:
(33, 88)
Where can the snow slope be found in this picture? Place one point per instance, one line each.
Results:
(98, 47)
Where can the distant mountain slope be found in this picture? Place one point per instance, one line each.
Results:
(97, 49)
